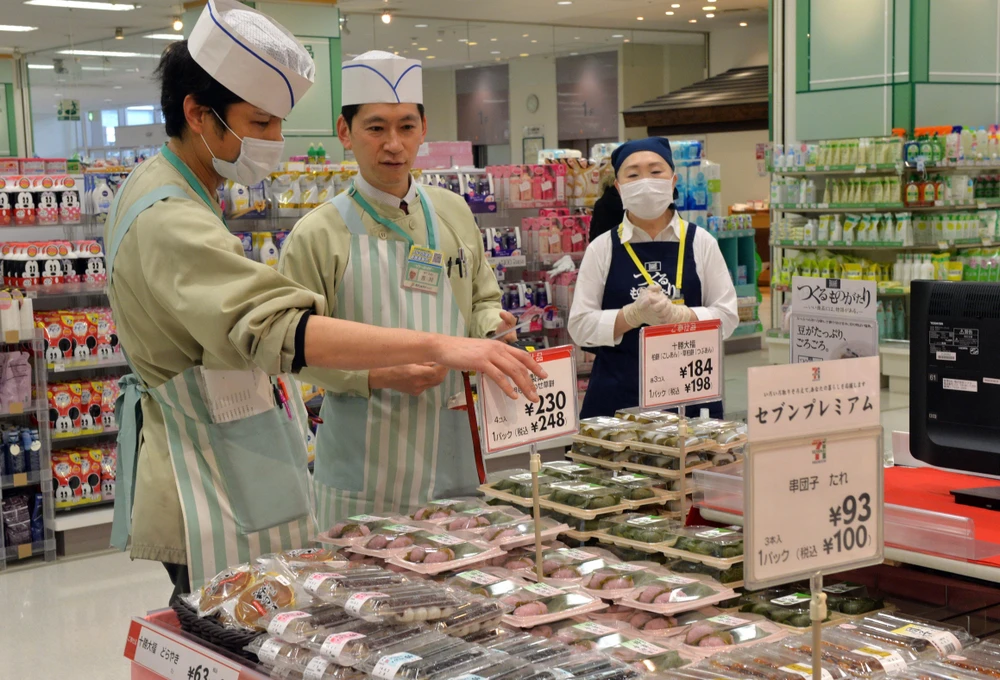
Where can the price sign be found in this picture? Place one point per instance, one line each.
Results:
(680, 364)
(168, 655)
(813, 479)
(508, 423)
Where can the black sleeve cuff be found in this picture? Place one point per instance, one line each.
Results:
(299, 360)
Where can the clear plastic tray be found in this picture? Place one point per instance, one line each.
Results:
(668, 437)
(614, 581)
(981, 660)
(647, 416)
(355, 527)
(404, 603)
(779, 663)
(444, 508)
(318, 668)
(934, 671)
(673, 594)
(324, 585)
(274, 652)
(486, 582)
(608, 429)
(521, 532)
(518, 483)
(731, 577)
(501, 667)
(436, 553)
(304, 561)
(884, 658)
(472, 617)
(479, 520)
(351, 645)
(944, 638)
(641, 528)
(637, 487)
(569, 471)
(296, 625)
(571, 565)
(422, 661)
(584, 495)
(660, 460)
(538, 603)
(649, 657)
(596, 452)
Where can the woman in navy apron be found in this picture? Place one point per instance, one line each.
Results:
(654, 269)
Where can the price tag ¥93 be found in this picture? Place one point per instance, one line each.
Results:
(508, 423)
(680, 364)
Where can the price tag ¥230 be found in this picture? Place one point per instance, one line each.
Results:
(680, 364)
(508, 423)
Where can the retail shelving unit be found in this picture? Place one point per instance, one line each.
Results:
(739, 250)
(894, 353)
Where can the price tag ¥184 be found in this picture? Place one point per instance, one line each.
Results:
(508, 423)
(680, 364)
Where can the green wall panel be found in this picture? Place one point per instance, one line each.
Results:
(963, 40)
(850, 43)
(901, 41)
(956, 104)
(856, 112)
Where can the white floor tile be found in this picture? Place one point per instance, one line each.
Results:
(69, 619)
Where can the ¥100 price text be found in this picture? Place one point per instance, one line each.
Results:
(850, 517)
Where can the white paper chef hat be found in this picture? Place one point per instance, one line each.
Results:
(378, 77)
(255, 57)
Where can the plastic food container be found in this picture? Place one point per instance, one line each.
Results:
(324, 585)
(479, 520)
(609, 429)
(648, 657)
(617, 580)
(444, 508)
(669, 436)
(540, 603)
(422, 661)
(486, 582)
(710, 631)
(640, 528)
(568, 471)
(672, 594)
(595, 636)
(571, 565)
(471, 617)
(659, 461)
(648, 417)
(403, 603)
(584, 495)
(350, 645)
(518, 483)
(854, 655)
(355, 527)
(388, 539)
(710, 541)
(983, 660)
(296, 625)
(317, 668)
(593, 450)
(275, 652)
(304, 561)
(778, 659)
(730, 576)
(435, 553)
(943, 638)
(521, 532)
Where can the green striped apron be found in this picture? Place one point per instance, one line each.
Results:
(391, 452)
(243, 485)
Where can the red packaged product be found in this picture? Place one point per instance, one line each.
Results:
(66, 474)
(109, 395)
(91, 406)
(64, 408)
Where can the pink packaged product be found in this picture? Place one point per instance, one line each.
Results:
(553, 212)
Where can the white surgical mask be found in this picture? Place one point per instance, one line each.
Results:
(647, 198)
(258, 158)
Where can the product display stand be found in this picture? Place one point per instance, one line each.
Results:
(536, 467)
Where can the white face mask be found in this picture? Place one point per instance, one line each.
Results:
(258, 158)
(648, 198)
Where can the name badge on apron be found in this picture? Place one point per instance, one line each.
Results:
(423, 271)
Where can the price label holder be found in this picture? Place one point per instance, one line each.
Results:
(510, 423)
(170, 654)
(813, 476)
(680, 364)
(832, 319)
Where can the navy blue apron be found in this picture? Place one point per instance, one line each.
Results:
(614, 381)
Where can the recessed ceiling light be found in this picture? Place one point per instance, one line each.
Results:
(57, 94)
(62, 80)
(495, 52)
(627, 40)
(618, 35)
(96, 68)
(178, 24)
(640, 18)
(743, 23)
(164, 36)
(421, 49)
(468, 66)
(414, 44)
(82, 4)
(669, 13)
(576, 37)
(493, 39)
(387, 17)
(440, 40)
(104, 53)
(675, 6)
(708, 9)
(565, 2)
(534, 41)
(391, 47)
(709, 16)
(17, 29)
(420, 26)
(41, 67)
(498, 59)
(525, 35)
(430, 56)
(574, 54)
(463, 40)
(692, 21)
(118, 87)
(473, 44)
(523, 54)
(119, 33)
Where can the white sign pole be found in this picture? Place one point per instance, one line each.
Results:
(680, 364)
(832, 319)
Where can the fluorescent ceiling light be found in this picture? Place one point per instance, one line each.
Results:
(565, 2)
(675, 5)
(420, 25)
(692, 21)
(709, 16)
(640, 18)
(430, 56)
(422, 49)
(104, 53)
(524, 54)
(17, 29)
(148, 107)
(463, 40)
(473, 43)
(96, 68)
(708, 9)
(495, 52)
(743, 23)
(82, 4)
(164, 36)
(669, 13)
(41, 67)
(618, 35)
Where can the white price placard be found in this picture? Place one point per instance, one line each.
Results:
(832, 319)
(509, 423)
(813, 486)
(680, 364)
(170, 656)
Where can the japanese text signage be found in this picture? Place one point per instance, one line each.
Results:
(813, 480)
(680, 364)
(832, 319)
(508, 423)
(168, 655)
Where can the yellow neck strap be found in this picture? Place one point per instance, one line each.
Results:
(680, 254)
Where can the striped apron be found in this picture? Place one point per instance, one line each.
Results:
(391, 452)
(243, 484)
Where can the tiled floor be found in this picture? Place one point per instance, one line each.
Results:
(84, 606)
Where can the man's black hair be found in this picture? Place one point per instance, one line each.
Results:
(180, 75)
(351, 110)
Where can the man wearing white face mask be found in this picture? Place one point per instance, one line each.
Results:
(654, 269)
(211, 444)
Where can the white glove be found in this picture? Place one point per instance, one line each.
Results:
(677, 314)
(650, 308)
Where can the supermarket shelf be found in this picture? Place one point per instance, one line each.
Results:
(558, 443)
(736, 233)
(937, 206)
(78, 365)
(25, 479)
(18, 409)
(22, 552)
(859, 169)
(954, 167)
(84, 516)
(941, 246)
(61, 441)
(64, 290)
(747, 290)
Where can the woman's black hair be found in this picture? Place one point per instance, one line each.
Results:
(180, 75)
(351, 110)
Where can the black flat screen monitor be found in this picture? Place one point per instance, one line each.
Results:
(955, 375)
